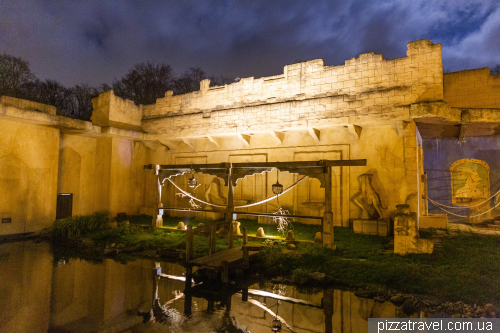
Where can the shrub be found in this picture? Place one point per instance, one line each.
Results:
(78, 225)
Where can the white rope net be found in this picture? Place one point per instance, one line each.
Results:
(438, 205)
(244, 206)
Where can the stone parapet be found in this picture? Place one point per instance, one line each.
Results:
(475, 88)
(110, 110)
(307, 92)
(24, 104)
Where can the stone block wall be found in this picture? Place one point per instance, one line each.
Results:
(110, 110)
(475, 88)
(306, 94)
(77, 155)
(24, 104)
(28, 176)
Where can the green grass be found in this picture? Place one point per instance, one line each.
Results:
(467, 269)
(301, 231)
(141, 239)
(79, 225)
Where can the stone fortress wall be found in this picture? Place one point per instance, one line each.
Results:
(307, 94)
(369, 108)
(475, 88)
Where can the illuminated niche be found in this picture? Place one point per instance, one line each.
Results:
(470, 182)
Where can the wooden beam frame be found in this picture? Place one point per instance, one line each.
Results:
(291, 164)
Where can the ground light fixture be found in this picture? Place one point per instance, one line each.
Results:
(192, 182)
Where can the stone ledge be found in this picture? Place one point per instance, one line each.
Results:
(436, 221)
(24, 104)
(372, 227)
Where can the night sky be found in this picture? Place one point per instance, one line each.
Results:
(96, 41)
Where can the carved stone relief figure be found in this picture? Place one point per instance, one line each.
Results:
(368, 200)
(214, 194)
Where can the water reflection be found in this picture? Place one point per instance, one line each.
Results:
(40, 295)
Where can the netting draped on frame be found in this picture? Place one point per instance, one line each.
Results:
(244, 206)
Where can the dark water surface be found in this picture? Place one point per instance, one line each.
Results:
(40, 294)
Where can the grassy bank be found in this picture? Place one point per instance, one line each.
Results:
(467, 269)
(301, 231)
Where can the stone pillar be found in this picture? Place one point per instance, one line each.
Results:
(406, 237)
(328, 239)
(411, 168)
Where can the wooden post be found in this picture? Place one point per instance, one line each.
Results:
(189, 243)
(245, 236)
(158, 220)
(188, 298)
(246, 258)
(225, 271)
(244, 294)
(156, 278)
(213, 234)
(230, 205)
(328, 309)
(231, 236)
(211, 305)
(328, 239)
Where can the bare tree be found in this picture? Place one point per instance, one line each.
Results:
(495, 70)
(54, 93)
(144, 83)
(81, 96)
(14, 73)
(220, 80)
(189, 81)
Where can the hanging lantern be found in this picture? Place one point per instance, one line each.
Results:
(192, 182)
(276, 325)
(277, 188)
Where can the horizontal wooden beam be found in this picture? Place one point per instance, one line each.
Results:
(292, 164)
(277, 215)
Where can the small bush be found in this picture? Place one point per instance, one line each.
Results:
(79, 225)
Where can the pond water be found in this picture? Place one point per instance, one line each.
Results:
(40, 293)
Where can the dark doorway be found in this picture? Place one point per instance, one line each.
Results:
(64, 205)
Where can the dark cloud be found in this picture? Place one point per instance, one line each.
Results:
(95, 41)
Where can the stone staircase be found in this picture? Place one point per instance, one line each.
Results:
(493, 223)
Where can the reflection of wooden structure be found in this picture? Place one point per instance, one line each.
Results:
(222, 294)
(223, 262)
(231, 172)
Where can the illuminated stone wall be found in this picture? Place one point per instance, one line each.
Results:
(475, 88)
(306, 94)
(28, 176)
(368, 108)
